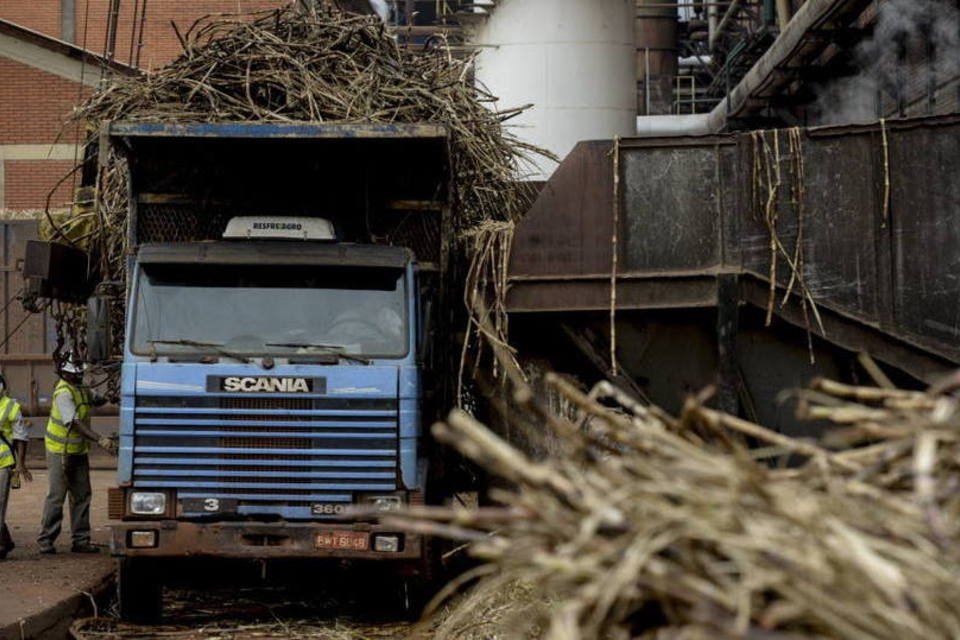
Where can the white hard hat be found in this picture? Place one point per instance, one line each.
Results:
(72, 366)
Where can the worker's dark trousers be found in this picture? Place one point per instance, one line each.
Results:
(74, 478)
(5, 540)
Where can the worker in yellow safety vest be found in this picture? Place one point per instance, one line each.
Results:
(13, 459)
(68, 440)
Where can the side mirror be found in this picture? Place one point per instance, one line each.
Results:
(98, 329)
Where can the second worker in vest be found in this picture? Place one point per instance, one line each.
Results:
(13, 458)
(68, 441)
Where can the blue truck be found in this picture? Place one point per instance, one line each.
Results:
(285, 344)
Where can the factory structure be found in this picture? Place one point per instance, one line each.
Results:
(738, 196)
(589, 70)
(635, 74)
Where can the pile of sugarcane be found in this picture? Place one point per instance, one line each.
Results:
(321, 65)
(648, 526)
(329, 66)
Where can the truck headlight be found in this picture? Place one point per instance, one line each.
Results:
(384, 503)
(148, 503)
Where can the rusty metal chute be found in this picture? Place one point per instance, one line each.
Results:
(881, 262)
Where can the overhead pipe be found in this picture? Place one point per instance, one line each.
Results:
(713, 20)
(769, 12)
(811, 15)
(695, 62)
(726, 20)
(674, 125)
(784, 11)
(655, 33)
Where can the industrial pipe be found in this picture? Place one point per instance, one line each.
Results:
(811, 15)
(713, 20)
(695, 62)
(727, 18)
(783, 13)
(769, 12)
(656, 41)
(685, 125)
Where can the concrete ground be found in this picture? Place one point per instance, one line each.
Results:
(39, 590)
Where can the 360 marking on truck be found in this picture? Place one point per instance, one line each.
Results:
(327, 509)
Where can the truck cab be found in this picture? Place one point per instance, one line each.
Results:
(277, 370)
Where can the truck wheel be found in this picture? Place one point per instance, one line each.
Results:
(140, 591)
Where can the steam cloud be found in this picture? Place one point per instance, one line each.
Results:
(914, 41)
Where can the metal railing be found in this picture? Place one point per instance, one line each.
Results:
(685, 94)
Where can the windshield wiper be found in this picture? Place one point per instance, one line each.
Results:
(331, 349)
(213, 346)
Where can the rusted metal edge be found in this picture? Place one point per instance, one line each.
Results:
(604, 278)
(274, 130)
(700, 140)
(850, 333)
(891, 124)
(276, 253)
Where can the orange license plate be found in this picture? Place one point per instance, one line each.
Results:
(343, 540)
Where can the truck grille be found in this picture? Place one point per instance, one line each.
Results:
(273, 456)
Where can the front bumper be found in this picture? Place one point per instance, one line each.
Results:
(254, 540)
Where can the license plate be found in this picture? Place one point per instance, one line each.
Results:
(343, 540)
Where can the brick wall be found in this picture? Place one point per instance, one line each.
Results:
(27, 183)
(161, 44)
(39, 15)
(34, 105)
(35, 108)
(160, 40)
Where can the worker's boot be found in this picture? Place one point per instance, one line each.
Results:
(6, 542)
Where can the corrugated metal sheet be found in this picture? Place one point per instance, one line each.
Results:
(25, 357)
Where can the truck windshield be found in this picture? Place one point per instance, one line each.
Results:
(269, 310)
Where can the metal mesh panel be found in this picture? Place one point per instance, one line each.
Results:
(286, 404)
(256, 458)
(170, 222)
(266, 403)
(417, 231)
(234, 442)
(262, 491)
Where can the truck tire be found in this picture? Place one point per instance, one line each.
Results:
(139, 591)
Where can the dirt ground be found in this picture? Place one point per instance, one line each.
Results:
(256, 613)
(35, 588)
(32, 583)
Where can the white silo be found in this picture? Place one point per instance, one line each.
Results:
(575, 60)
